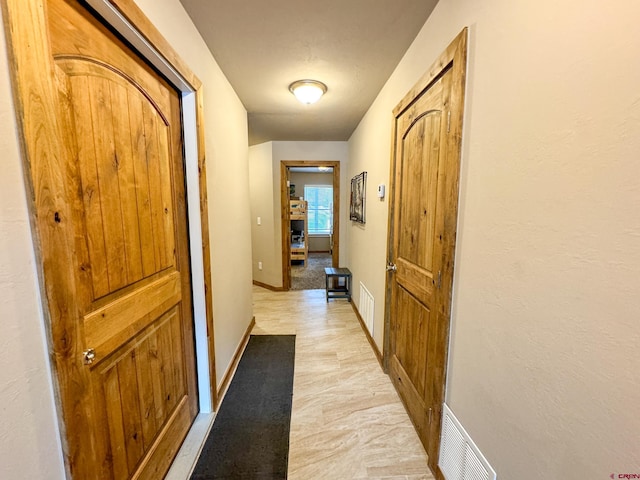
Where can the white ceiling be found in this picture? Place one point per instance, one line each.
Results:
(264, 45)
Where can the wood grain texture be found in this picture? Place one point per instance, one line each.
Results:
(129, 402)
(181, 256)
(335, 254)
(116, 425)
(206, 244)
(107, 327)
(449, 218)
(426, 141)
(143, 386)
(135, 16)
(298, 211)
(81, 96)
(105, 157)
(419, 159)
(143, 197)
(284, 226)
(143, 25)
(411, 338)
(454, 55)
(145, 389)
(43, 155)
(157, 366)
(160, 456)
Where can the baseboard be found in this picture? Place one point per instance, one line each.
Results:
(231, 369)
(268, 287)
(372, 342)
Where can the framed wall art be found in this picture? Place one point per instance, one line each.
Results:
(358, 197)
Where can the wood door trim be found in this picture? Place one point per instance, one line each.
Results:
(454, 54)
(39, 135)
(454, 57)
(284, 212)
(136, 17)
(206, 246)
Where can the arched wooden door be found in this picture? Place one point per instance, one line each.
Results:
(425, 168)
(105, 148)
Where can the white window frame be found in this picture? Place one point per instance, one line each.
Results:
(329, 208)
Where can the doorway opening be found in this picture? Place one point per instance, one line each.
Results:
(310, 206)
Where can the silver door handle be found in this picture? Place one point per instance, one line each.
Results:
(391, 267)
(89, 356)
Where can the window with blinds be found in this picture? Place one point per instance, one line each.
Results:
(319, 208)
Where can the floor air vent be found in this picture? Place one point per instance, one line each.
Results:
(366, 307)
(460, 459)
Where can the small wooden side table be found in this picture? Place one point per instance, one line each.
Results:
(332, 282)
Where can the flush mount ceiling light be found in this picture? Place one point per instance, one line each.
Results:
(308, 91)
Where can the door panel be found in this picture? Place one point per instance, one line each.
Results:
(108, 327)
(142, 387)
(127, 196)
(128, 409)
(411, 355)
(417, 216)
(422, 237)
(416, 248)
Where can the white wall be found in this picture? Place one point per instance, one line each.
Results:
(302, 179)
(544, 371)
(263, 244)
(29, 445)
(265, 197)
(369, 149)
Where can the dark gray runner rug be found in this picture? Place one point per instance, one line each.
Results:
(250, 435)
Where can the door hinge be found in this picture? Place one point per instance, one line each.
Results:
(430, 412)
(449, 121)
(439, 281)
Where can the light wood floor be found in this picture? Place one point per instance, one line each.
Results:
(347, 420)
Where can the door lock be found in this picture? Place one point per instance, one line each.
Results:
(89, 356)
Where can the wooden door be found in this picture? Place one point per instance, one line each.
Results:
(286, 240)
(422, 237)
(110, 200)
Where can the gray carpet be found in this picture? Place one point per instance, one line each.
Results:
(310, 275)
(249, 439)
